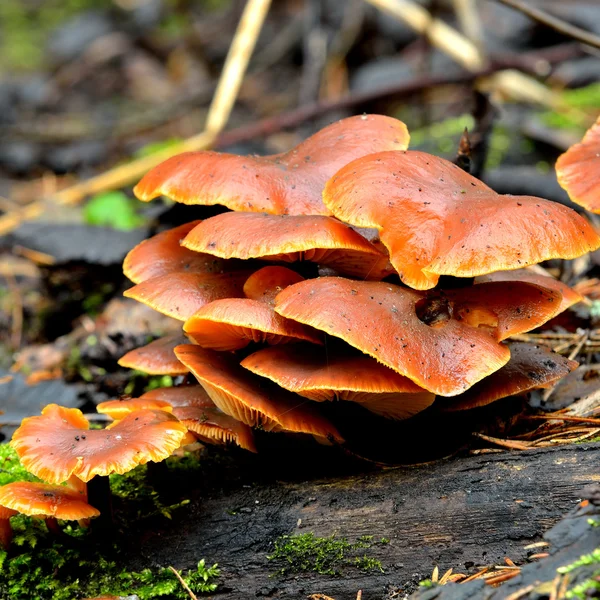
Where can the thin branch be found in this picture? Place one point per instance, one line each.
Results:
(581, 35)
(186, 587)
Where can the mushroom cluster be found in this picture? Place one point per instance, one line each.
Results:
(349, 269)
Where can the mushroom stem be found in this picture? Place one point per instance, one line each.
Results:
(52, 525)
(99, 496)
(6, 533)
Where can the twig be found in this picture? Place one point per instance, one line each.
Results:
(581, 35)
(186, 587)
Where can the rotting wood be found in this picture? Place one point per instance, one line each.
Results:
(461, 513)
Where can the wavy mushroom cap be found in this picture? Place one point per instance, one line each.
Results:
(530, 367)
(46, 500)
(59, 443)
(121, 407)
(443, 341)
(180, 295)
(232, 323)
(578, 170)
(290, 238)
(239, 394)
(182, 395)
(157, 357)
(569, 295)
(323, 375)
(163, 254)
(289, 183)
(435, 219)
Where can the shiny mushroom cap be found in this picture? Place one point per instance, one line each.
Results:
(435, 219)
(180, 295)
(243, 396)
(289, 183)
(46, 500)
(331, 374)
(157, 357)
(290, 238)
(121, 407)
(232, 323)
(530, 367)
(163, 254)
(443, 341)
(578, 170)
(59, 443)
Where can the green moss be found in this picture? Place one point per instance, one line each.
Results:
(323, 555)
(10, 467)
(592, 558)
(581, 566)
(581, 104)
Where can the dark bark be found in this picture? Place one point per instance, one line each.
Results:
(458, 513)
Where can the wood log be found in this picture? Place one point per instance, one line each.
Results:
(456, 513)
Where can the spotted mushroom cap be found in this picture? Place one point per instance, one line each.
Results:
(289, 183)
(232, 323)
(436, 219)
(243, 396)
(290, 238)
(443, 341)
(46, 500)
(163, 254)
(530, 367)
(59, 443)
(578, 170)
(157, 357)
(180, 295)
(329, 374)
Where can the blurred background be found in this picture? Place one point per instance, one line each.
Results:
(90, 85)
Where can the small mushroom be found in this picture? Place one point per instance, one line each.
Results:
(239, 394)
(157, 357)
(232, 323)
(289, 183)
(436, 219)
(6, 532)
(578, 170)
(332, 374)
(180, 295)
(162, 254)
(530, 367)
(290, 238)
(443, 341)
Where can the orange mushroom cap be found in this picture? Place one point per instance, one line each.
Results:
(289, 183)
(46, 500)
(289, 238)
(59, 444)
(232, 323)
(157, 357)
(180, 295)
(236, 392)
(578, 170)
(193, 407)
(162, 254)
(456, 349)
(530, 367)
(330, 374)
(436, 219)
(569, 295)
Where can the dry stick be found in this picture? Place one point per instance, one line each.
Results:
(581, 35)
(512, 83)
(468, 18)
(186, 587)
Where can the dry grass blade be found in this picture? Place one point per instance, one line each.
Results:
(510, 444)
(539, 555)
(477, 575)
(183, 583)
(502, 577)
(520, 593)
(435, 574)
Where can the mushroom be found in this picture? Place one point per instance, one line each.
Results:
(156, 358)
(162, 254)
(530, 367)
(59, 444)
(180, 295)
(578, 170)
(436, 219)
(290, 238)
(333, 373)
(289, 183)
(443, 341)
(239, 394)
(569, 295)
(232, 323)
(193, 407)
(6, 532)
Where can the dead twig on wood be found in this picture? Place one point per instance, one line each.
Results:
(185, 586)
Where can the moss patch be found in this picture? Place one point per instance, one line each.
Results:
(323, 555)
